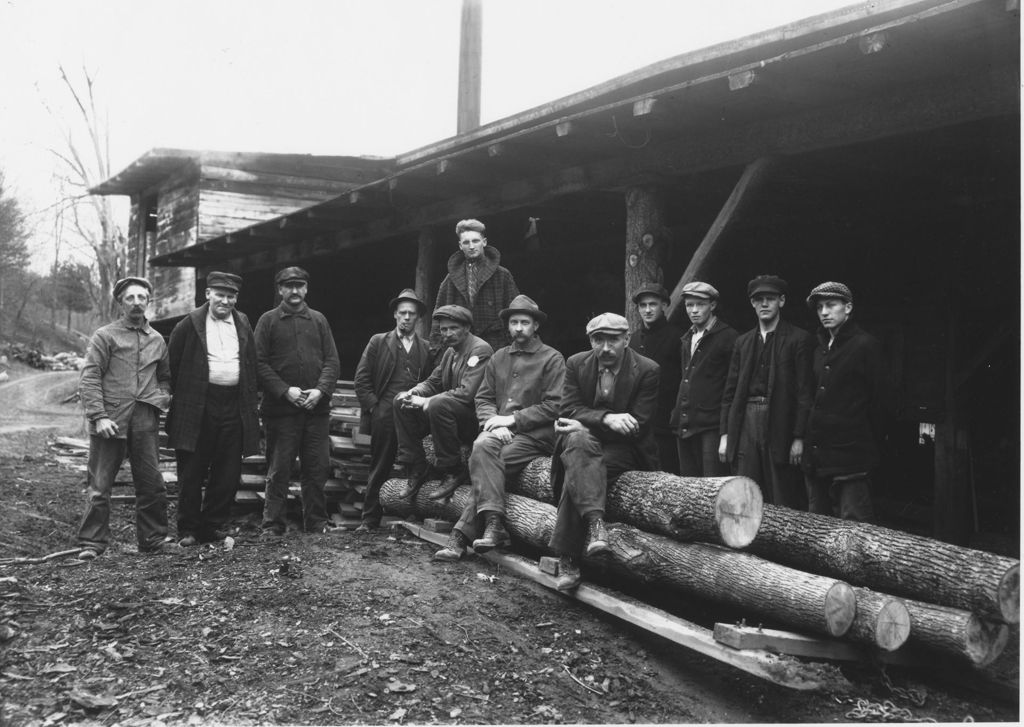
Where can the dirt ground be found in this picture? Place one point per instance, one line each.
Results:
(341, 629)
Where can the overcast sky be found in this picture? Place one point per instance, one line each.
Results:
(318, 76)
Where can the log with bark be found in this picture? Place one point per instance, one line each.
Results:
(881, 620)
(956, 632)
(895, 562)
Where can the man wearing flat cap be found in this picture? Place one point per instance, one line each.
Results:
(658, 339)
(297, 365)
(124, 385)
(853, 400)
(212, 422)
(516, 405)
(767, 398)
(392, 362)
(443, 406)
(705, 350)
(477, 281)
(608, 406)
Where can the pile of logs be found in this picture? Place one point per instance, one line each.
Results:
(815, 574)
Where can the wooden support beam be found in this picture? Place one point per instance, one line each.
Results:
(647, 241)
(794, 644)
(426, 275)
(701, 262)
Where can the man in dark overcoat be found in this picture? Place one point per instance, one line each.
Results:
(705, 351)
(853, 399)
(392, 362)
(767, 398)
(658, 339)
(212, 423)
(478, 282)
(608, 406)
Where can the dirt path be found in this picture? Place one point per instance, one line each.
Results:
(33, 402)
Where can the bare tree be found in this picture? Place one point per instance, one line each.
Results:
(13, 242)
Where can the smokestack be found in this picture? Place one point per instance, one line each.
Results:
(470, 54)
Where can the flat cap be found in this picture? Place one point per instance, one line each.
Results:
(523, 304)
(454, 312)
(608, 323)
(292, 273)
(767, 284)
(696, 289)
(651, 289)
(228, 281)
(830, 289)
(410, 295)
(123, 283)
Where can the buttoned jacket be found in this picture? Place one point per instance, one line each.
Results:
(459, 373)
(660, 343)
(376, 367)
(699, 402)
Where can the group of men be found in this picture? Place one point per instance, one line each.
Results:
(700, 402)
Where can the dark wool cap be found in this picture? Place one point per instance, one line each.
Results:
(611, 323)
(410, 295)
(766, 284)
(123, 283)
(454, 312)
(523, 304)
(292, 273)
(227, 281)
(830, 290)
(651, 289)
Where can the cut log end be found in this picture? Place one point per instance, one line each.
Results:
(892, 626)
(840, 608)
(1009, 595)
(985, 641)
(738, 509)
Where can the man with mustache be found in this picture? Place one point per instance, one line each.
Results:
(297, 365)
(517, 404)
(212, 422)
(392, 362)
(608, 405)
(124, 385)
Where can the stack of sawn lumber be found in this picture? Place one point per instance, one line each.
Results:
(877, 587)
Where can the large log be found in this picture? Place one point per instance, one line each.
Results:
(724, 510)
(892, 561)
(955, 632)
(881, 620)
(800, 600)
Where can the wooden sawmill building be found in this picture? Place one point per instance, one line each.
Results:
(878, 145)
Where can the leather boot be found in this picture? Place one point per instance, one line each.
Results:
(449, 484)
(416, 475)
(597, 537)
(569, 575)
(455, 548)
(495, 535)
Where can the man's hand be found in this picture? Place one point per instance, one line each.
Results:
(624, 424)
(294, 395)
(498, 422)
(796, 452)
(723, 447)
(568, 426)
(502, 433)
(310, 397)
(106, 428)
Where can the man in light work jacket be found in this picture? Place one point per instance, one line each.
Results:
(125, 383)
(297, 364)
(392, 362)
(767, 398)
(443, 406)
(705, 348)
(212, 423)
(517, 404)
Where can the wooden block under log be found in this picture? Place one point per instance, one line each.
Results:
(788, 642)
(436, 525)
(548, 565)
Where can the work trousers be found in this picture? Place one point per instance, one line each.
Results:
(217, 459)
(105, 457)
(698, 456)
(590, 467)
(490, 466)
(306, 435)
(844, 496)
(781, 483)
(383, 448)
(449, 422)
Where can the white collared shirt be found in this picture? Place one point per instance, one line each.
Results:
(222, 350)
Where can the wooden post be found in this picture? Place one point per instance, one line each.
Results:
(470, 54)
(647, 242)
(952, 505)
(426, 275)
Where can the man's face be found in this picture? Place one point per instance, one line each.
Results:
(452, 332)
(699, 310)
(767, 306)
(222, 302)
(472, 244)
(406, 315)
(651, 308)
(610, 347)
(293, 292)
(522, 327)
(134, 300)
(833, 312)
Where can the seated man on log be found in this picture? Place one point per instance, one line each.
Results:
(608, 406)
(443, 406)
(516, 405)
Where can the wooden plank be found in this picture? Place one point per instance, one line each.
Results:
(794, 644)
(787, 673)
